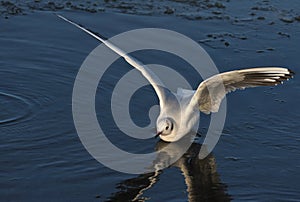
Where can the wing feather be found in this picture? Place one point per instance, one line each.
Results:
(210, 92)
(158, 86)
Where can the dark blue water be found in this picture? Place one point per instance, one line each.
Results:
(42, 158)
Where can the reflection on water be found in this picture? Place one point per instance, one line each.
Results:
(201, 177)
(133, 189)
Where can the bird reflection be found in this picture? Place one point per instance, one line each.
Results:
(201, 177)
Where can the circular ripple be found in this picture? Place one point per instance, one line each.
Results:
(12, 108)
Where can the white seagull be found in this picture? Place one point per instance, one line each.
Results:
(179, 112)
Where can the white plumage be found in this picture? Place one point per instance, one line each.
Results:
(178, 119)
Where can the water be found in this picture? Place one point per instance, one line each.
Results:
(42, 158)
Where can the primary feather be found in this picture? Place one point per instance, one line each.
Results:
(210, 92)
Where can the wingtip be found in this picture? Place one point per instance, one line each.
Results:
(62, 17)
(287, 76)
(58, 15)
(291, 72)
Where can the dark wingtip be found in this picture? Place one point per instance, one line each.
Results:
(288, 76)
(292, 73)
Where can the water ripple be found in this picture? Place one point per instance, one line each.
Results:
(13, 108)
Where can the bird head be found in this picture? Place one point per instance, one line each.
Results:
(165, 127)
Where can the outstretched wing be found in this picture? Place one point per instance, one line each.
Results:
(210, 92)
(145, 71)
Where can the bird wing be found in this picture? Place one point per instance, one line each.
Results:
(158, 86)
(210, 92)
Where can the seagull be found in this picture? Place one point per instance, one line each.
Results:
(180, 111)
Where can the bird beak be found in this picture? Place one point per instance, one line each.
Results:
(158, 134)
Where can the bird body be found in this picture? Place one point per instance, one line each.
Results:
(180, 111)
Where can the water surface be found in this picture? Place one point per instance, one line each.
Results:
(42, 158)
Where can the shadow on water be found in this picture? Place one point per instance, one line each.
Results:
(201, 177)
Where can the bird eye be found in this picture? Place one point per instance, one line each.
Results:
(167, 128)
